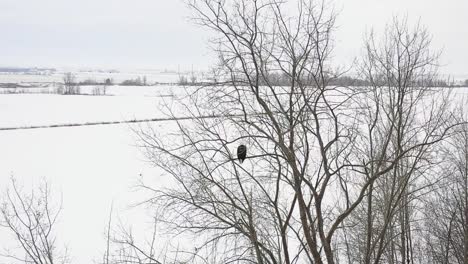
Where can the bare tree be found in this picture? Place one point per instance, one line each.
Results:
(31, 218)
(125, 247)
(402, 109)
(193, 79)
(446, 223)
(130, 250)
(182, 80)
(317, 152)
(70, 84)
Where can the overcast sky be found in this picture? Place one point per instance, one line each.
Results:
(158, 33)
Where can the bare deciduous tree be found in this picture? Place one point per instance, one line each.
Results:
(319, 154)
(126, 247)
(31, 218)
(400, 69)
(446, 222)
(70, 85)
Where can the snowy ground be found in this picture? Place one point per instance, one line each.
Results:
(43, 109)
(90, 166)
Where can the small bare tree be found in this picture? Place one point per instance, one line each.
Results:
(129, 249)
(182, 80)
(125, 247)
(31, 218)
(70, 85)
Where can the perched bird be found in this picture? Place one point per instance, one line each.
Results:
(241, 153)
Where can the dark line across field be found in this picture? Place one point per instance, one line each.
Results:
(117, 122)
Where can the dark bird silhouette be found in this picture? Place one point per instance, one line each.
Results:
(241, 153)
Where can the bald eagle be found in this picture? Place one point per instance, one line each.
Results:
(241, 153)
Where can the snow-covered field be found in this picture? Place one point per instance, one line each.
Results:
(45, 109)
(91, 166)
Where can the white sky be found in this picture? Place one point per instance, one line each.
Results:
(158, 34)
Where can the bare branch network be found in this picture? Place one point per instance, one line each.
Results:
(371, 174)
(336, 174)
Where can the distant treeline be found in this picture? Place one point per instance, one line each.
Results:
(275, 79)
(138, 81)
(34, 70)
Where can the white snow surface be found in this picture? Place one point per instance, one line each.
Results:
(47, 109)
(91, 167)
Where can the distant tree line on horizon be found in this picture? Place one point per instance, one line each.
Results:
(33, 70)
(282, 79)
